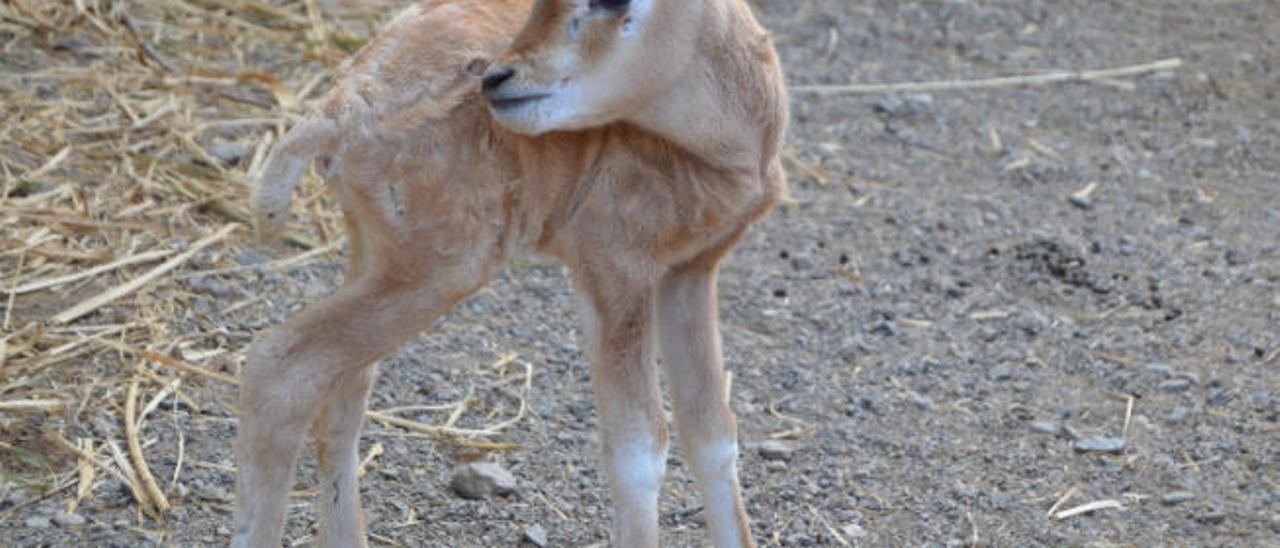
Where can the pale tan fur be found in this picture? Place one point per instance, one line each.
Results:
(665, 172)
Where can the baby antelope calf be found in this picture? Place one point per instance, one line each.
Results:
(635, 141)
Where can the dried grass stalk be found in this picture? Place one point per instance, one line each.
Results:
(1056, 77)
(156, 496)
(137, 283)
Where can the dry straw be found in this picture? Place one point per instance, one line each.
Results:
(128, 132)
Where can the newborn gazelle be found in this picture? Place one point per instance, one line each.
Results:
(634, 141)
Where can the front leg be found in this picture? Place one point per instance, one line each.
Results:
(619, 342)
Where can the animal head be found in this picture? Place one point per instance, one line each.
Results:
(578, 64)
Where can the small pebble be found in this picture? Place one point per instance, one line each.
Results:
(1043, 427)
(922, 401)
(917, 102)
(1204, 144)
(1175, 385)
(212, 493)
(250, 257)
(227, 152)
(1082, 202)
(887, 328)
(853, 530)
(1177, 497)
(1179, 415)
(775, 450)
(1001, 372)
(478, 480)
(1100, 444)
(14, 498)
(68, 519)
(536, 535)
(1212, 517)
(38, 522)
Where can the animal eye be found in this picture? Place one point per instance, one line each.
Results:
(609, 4)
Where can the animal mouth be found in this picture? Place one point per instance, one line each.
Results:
(508, 103)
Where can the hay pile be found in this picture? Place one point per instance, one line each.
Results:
(128, 133)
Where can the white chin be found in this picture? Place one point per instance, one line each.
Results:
(530, 119)
(554, 113)
(518, 121)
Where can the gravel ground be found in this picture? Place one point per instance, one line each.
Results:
(948, 343)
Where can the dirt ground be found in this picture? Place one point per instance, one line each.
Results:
(934, 325)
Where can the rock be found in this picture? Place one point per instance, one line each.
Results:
(887, 328)
(1212, 516)
(536, 535)
(852, 531)
(212, 493)
(210, 286)
(1275, 525)
(1176, 385)
(478, 480)
(1204, 144)
(1160, 369)
(1100, 444)
(1178, 415)
(922, 401)
(38, 522)
(917, 102)
(1243, 137)
(1001, 372)
(227, 152)
(1177, 497)
(907, 105)
(68, 519)
(891, 103)
(1220, 396)
(802, 263)
(13, 498)
(1041, 427)
(774, 450)
(1081, 201)
(250, 257)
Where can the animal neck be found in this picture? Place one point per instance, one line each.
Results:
(549, 174)
(706, 111)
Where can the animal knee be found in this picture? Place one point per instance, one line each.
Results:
(713, 458)
(639, 461)
(265, 369)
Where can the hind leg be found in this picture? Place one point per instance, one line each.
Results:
(337, 433)
(294, 368)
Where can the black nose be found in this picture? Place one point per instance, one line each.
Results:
(496, 78)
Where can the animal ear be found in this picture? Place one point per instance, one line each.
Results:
(477, 67)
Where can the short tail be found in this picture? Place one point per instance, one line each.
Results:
(273, 189)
